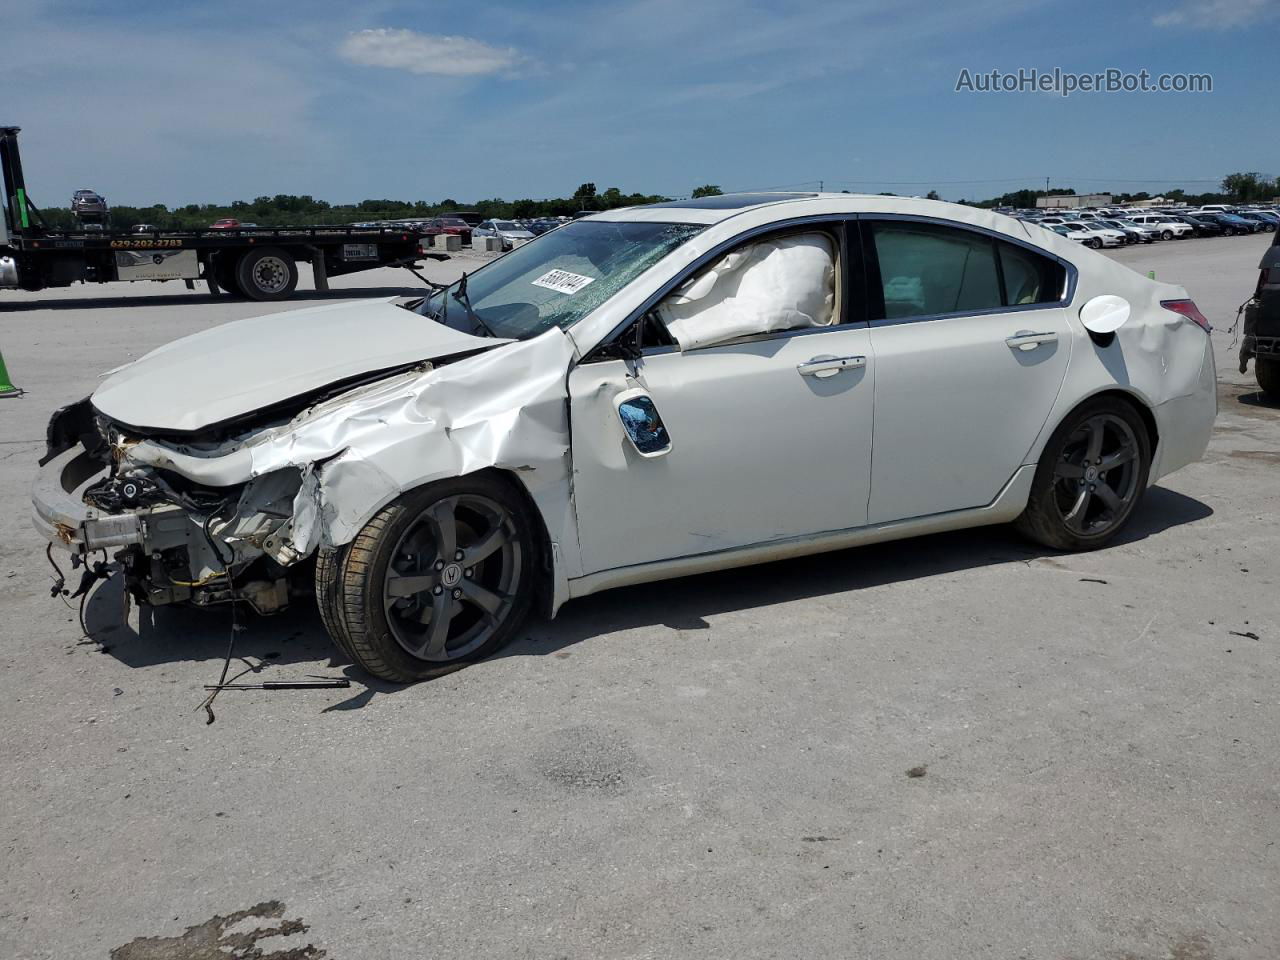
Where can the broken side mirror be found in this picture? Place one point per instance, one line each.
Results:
(642, 423)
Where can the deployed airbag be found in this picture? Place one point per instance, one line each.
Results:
(781, 284)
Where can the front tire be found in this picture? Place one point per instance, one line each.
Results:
(1166, 235)
(1091, 476)
(1268, 373)
(440, 578)
(1096, 243)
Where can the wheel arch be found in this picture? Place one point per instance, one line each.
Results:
(1133, 398)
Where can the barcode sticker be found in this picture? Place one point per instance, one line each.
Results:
(562, 281)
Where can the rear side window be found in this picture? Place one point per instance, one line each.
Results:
(1029, 277)
(928, 270)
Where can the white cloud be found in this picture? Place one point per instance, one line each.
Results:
(1217, 14)
(426, 53)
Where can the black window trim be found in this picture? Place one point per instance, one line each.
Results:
(854, 291)
(874, 287)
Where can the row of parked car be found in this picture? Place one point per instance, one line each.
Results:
(1114, 227)
(470, 226)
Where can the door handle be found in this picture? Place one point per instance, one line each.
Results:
(1026, 340)
(823, 367)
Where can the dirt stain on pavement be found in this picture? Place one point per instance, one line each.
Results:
(212, 940)
(585, 759)
(1263, 456)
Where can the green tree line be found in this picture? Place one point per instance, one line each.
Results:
(285, 210)
(288, 210)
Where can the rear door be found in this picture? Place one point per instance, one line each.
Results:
(971, 344)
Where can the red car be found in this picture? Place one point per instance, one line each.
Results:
(449, 225)
(226, 224)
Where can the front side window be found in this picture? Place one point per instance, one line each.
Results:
(559, 278)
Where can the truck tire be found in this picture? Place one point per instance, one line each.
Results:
(1268, 373)
(267, 273)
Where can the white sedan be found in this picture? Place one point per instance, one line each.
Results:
(511, 234)
(641, 394)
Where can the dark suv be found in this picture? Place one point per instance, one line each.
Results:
(89, 205)
(1261, 339)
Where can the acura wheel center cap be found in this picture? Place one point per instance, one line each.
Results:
(451, 575)
(1091, 474)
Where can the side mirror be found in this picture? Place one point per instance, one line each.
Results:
(642, 423)
(1105, 314)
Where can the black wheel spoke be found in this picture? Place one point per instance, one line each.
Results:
(444, 524)
(1068, 471)
(1109, 497)
(1119, 458)
(1096, 436)
(477, 552)
(1075, 516)
(489, 603)
(408, 584)
(443, 610)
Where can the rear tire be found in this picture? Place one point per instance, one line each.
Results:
(439, 579)
(267, 273)
(1268, 373)
(1090, 478)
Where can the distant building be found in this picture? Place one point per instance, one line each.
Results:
(1074, 201)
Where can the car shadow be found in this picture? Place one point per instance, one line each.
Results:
(687, 602)
(296, 637)
(190, 299)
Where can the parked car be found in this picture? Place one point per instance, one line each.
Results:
(1168, 229)
(1260, 340)
(89, 203)
(639, 395)
(226, 223)
(470, 217)
(449, 224)
(1146, 232)
(1231, 223)
(144, 228)
(1265, 223)
(511, 234)
(1130, 234)
(1089, 233)
(1202, 228)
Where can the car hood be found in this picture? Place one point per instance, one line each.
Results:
(237, 368)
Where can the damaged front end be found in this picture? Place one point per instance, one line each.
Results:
(175, 540)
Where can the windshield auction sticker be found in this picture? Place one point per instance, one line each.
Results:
(562, 281)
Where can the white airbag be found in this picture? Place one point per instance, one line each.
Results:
(781, 284)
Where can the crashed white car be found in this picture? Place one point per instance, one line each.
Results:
(641, 394)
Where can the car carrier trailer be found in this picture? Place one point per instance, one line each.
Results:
(258, 263)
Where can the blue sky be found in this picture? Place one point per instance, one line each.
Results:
(174, 102)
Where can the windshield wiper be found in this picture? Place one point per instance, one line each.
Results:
(461, 296)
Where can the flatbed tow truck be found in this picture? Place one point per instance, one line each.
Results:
(258, 263)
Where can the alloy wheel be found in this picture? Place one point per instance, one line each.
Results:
(453, 578)
(1096, 476)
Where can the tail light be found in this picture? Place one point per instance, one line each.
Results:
(1189, 310)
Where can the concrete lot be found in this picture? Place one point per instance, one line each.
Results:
(714, 767)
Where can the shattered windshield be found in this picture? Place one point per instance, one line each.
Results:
(559, 278)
